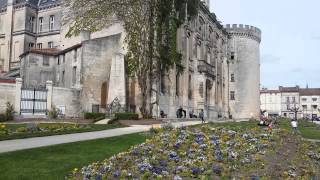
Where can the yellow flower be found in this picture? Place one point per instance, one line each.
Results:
(3, 126)
(75, 169)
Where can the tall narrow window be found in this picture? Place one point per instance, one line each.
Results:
(74, 75)
(39, 45)
(288, 99)
(31, 23)
(50, 44)
(232, 78)
(51, 23)
(293, 99)
(31, 45)
(232, 56)
(40, 24)
(75, 55)
(46, 61)
(62, 79)
(232, 95)
(177, 84)
(190, 92)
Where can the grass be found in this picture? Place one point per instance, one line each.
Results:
(307, 129)
(22, 135)
(55, 162)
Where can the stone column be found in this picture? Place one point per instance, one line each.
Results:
(17, 104)
(49, 94)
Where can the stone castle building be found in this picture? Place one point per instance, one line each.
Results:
(222, 63)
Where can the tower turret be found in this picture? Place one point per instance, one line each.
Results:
(207, 3)
(244, 70)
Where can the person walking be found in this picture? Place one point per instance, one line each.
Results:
(294, 125)
(201, 116)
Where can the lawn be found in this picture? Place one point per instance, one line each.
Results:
(20, 131)
(53, 163)
(307, 129)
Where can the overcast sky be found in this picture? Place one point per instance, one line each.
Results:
(290, 48)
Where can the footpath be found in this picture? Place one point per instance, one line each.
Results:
(29, 143)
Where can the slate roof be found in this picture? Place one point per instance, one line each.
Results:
(38, 3)
(269, 91)
(48, 2)
(310, 92)
(289, 89)
(3, 3)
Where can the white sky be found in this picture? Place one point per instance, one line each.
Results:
(290, 40)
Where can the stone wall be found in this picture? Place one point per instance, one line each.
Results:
(67, 100)
(97, 55)
(7, 94)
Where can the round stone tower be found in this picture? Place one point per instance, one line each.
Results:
(244, 71)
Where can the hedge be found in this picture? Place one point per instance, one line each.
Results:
(3, 118)
(126, 116)
(93, 115)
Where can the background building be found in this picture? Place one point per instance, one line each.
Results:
(286, 100)
(271, 102)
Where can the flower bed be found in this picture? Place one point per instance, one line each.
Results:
(205, 152)
(18, 131)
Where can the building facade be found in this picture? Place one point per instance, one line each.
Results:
(271, 102)
(222, 63)
(286, 100)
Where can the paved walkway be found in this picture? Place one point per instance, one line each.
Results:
(21, 144)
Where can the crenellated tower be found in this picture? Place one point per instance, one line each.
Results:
(244, 70)
(207, 3)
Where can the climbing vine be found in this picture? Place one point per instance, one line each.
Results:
(151, 34)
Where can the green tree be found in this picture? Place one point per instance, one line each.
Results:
(151, 33)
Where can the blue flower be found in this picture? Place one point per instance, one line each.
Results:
(98, 177)
(195, 170)
(163, 163)
(217, 169)
(156, 170)
(116, 174)
(144, 167)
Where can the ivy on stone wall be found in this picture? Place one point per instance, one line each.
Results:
(151, 33)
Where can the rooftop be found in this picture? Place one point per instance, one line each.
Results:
(310, 92)
(289, 89)
(3, 3)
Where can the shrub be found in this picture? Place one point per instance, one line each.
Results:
(53, 113)
(93, 115)
(126, 116)
(22, 130)
(2, 117)
(9, 114)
